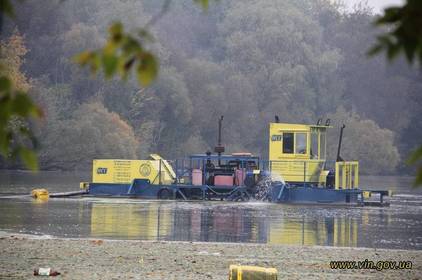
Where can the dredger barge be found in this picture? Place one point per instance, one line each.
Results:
(296, 172)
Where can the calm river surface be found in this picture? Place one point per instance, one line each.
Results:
(398, 226)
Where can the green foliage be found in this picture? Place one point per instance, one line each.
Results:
(91, 132)
(405, 36)
(17, 109)
(203, 3)
(415, 158)
(29, 158)
(6, 8)
(247, 60)
(122, 53)
(364, 141)
(406, 31)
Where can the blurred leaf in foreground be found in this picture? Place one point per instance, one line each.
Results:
(404, 35)
(416, 158)
(6, 7)
(17, 109)
(404, 32)
(121, 53)
(16, 139)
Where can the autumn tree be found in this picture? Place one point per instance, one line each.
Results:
(92, 132)
(17, 108)
(365, 141)
(13, 51)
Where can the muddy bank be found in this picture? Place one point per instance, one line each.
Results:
(109, 259)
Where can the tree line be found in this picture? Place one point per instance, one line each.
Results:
(247, 60)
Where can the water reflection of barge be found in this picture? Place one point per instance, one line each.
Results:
(296, 172)
(220, 223)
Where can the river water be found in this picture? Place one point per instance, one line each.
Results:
(397, 227)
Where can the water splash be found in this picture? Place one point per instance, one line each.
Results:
(264, 186)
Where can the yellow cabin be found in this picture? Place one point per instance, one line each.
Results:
(297, 152)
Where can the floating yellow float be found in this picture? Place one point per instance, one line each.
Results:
(40, 194)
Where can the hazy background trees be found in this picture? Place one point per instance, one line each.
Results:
(247, 60)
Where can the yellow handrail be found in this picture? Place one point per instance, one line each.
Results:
(347, 175)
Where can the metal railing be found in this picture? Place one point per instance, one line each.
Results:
(347, 175)
(297, 171)
(308, 172)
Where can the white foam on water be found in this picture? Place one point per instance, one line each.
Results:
(277, 178)
(403, 195)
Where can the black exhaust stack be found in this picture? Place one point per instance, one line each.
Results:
(219, 149)
(339, 158)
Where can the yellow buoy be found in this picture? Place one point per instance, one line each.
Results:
(367, 194)
(83, 185)
(40, 194)
(239, 272)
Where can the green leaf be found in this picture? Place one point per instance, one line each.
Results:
(125, 66)
(420, 52)
(110, 48)
(147, 69)
(392, 51)
(203, 3)
(130, 46)
(385, 40)
(22, 105)
(390, 15)
(4, 142)
(6, 108)
(128, 64)
(410, 50)
(95, 62)
(418, 179)
(5, 84)
(7, 8)
(375, 49)
(146, 35)
(110, 64)
(405, 29)
(415, 156)
(116, 28)
(29, 158)
(83, 58)
(116, 32)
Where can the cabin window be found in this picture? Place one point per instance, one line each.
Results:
(288, 143)
(301, 143)
(314, 145)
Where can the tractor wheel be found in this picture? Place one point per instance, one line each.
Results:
(241, 196)
(245, 197)
(164, 194)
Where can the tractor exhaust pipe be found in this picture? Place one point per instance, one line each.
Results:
(220, 121)
(219, 148)
(340, 139)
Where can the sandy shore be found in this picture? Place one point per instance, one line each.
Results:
(109, 259)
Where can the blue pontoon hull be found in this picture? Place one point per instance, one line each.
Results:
(305, 194)
(280, 193)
